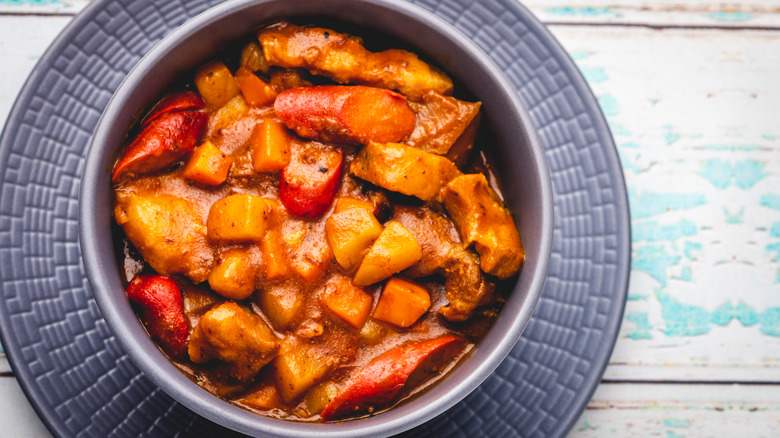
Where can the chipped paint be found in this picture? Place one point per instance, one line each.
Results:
(654, 260)
(775, 230)
(677, 422)
(637, 297)
(642, 326)
(745, 174)
(670, 136)
(648, 204)
(734, 218)
(769, 321)
(582, 11)
(652, 231)
(689, 247)
(771, 200)
(730, 16)
(593, 74)
(609, 105)
(683, 319)
(670, 434)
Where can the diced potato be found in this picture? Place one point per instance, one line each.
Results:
(233, 110)
(402, 303)
(252, 58)
(320, 396)
(275, 263)
(404, 169)
(215, 84)
(281, 303)
(350, 232)
(310, 254)
(168, 234)
(299, 369)
(233, 276)
(394, 250)
(347, 301)
(208, 165)
(238, 218)
(483, 221)
(348, 203)
(372, 332)
(270, 146)
(264, 398)
(236, 337)
(256, 91)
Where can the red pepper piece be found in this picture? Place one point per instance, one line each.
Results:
(379, 381)
(161, 309)
(309, 183)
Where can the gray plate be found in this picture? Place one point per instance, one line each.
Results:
(82, 384)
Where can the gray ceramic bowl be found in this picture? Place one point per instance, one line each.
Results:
(521, 166)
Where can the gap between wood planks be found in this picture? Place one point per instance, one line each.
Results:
(661, 26)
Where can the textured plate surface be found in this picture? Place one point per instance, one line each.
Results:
(80, 381)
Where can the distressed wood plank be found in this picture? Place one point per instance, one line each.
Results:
(22, 42)
(756, 13)
(681, 410)
(17, 417)
(693, 115)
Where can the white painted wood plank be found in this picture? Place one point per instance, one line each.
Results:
(693, 113)
(760, 13)
(22, 42)
(58, 7)
(17, 417)
(619, 410)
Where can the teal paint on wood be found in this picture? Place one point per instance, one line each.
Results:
(771, 200)
(593, 74)
(775, 248)
(769, 321)
(648, 204)
(689, 247)
(670, 136)
(775, 230)
(745, 174)
(654, 260)
(642, 326)
(582, 11)
(670, 434)
(730, 16)
(609, 105)
(30, 2)
(677, 422)
(652, 231)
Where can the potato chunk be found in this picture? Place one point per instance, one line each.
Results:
(281, 303)
(350, 232)
(483, 221)
(233, 276)
(168, 234)
(215, 84)
(394, 250)
(235, 336)
(404, 169)
(238, 218)
(299, 369)
(402, 303)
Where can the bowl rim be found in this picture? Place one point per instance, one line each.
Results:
(230, 415)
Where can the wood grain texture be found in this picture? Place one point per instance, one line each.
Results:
(693, 118)
(673, 411)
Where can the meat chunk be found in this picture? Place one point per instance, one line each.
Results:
(404, 169)
(441, 121)
(442, 253)
(168, 234)
(483, 221)
(236, 337)
(344, 59)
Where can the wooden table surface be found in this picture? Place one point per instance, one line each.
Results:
(690, 90)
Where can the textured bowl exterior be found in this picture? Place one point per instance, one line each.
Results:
(518, 151)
